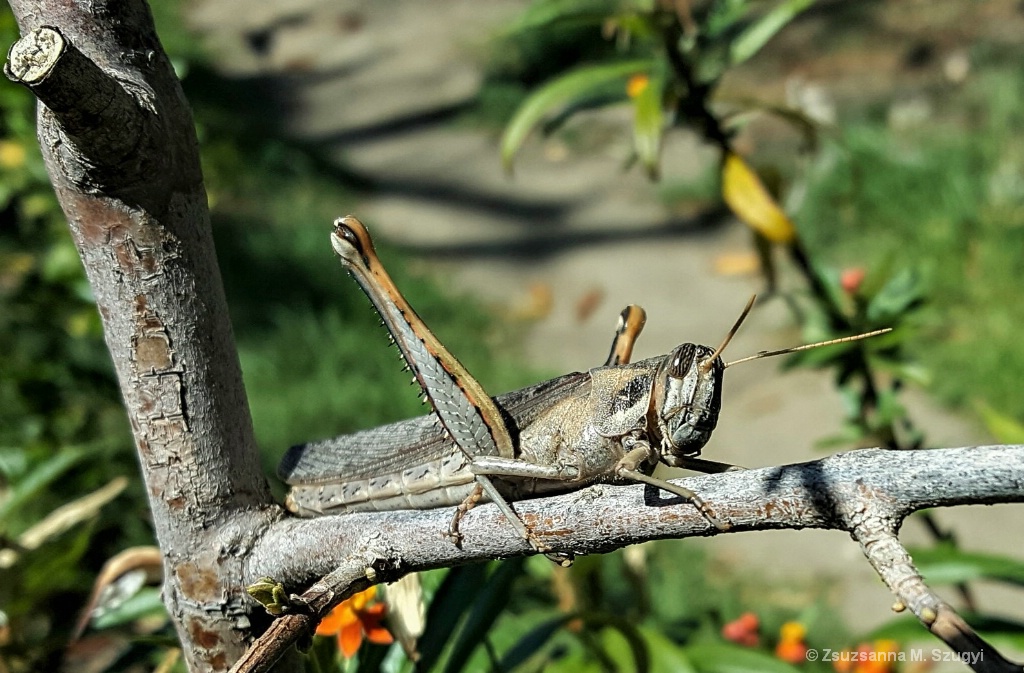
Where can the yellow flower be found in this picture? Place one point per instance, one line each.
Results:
(636, 85)
(791, 647)
(877, 657)
(12, 154)
(354, 618)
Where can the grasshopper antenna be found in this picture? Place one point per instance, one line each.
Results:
(706, 365)
(830, 342)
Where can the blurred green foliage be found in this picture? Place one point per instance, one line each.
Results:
(948, 196)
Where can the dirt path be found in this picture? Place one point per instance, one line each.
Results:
(379, 84)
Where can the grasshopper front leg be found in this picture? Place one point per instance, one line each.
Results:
(466, 411)
(638, 452)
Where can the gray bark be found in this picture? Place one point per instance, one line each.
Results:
(118, 140)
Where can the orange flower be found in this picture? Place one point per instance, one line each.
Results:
(353, 618)
(636, 85)
(885, 655)
(843, 664)
(878, 657)
(791, 647)
(743, 630)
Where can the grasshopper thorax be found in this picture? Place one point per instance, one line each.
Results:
(687, 400)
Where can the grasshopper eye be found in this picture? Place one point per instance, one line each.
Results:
(682, 360)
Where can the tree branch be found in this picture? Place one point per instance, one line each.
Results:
(860, 492)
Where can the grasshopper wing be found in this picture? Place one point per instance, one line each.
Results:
(399, 445)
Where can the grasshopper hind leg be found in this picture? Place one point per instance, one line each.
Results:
(631, 324)
(485, 485)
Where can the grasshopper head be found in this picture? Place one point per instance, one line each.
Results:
(688, 397)
(688, 391)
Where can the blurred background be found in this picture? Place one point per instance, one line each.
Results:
(529, 168)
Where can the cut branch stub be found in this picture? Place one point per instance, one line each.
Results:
(104, 118)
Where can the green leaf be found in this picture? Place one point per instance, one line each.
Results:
(1006, 430)
(648, 124)
(723, 16)
(143, 604)
(559, 92)
(666, 655)
(726, 658)
(609, 640)
(901, 629)
(898, 294)
(949, 565)
(486, 608)
(532, 642)
(37, 479)
(621, 632)
(13, 462)
(452, 599)
(540, 15)
(757, 35)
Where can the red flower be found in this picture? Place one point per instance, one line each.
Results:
(743, 630)
(850, 279)
(352, 619)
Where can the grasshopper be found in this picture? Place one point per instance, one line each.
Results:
(612, 424)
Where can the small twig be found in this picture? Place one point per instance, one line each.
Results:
(316, 602)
